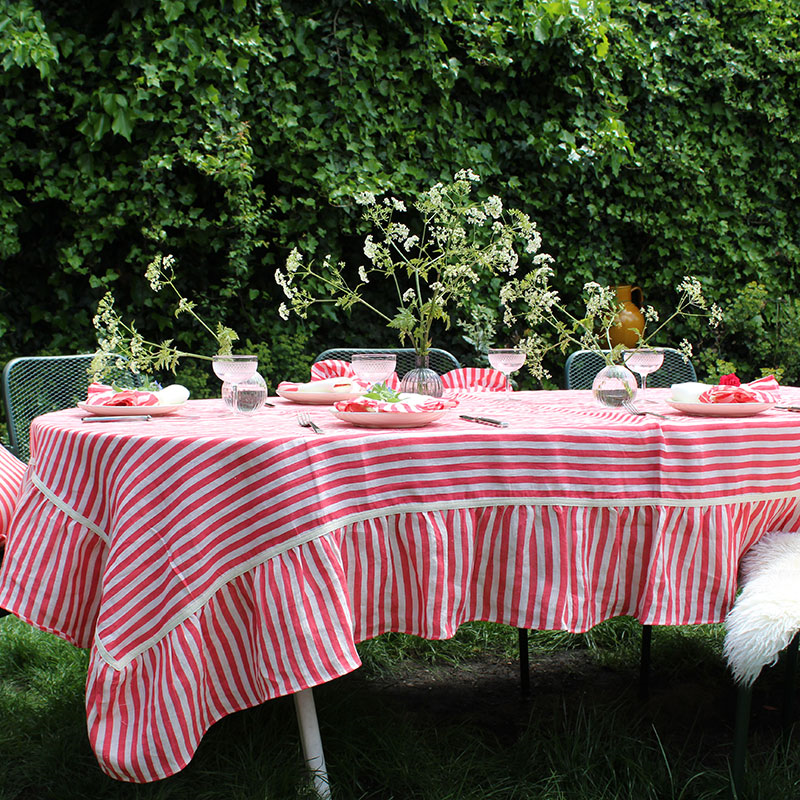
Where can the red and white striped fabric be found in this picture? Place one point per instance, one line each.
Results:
(212, 563)
(763, 390)
(101, 395)
(11, 472)
(336, 368)
(475, 379)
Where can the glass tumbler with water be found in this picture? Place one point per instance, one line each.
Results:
(234, 370)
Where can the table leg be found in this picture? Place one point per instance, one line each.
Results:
(312, 741)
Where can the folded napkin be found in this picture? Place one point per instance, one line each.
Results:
(338, 368)
(342, 385)
(763, 390)
(101, 395)
(409, 403)
(476, 379)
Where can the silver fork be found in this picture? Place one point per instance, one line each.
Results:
(305, 421)
(631, 409)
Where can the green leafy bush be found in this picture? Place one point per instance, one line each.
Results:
(649, 141)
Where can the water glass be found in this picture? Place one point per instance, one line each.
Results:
(506, 360)
(373, 367)
(643, 361)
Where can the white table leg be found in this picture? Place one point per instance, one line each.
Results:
(312, 741)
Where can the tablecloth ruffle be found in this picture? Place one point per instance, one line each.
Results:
(292, 622)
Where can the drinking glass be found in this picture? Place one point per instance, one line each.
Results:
(643, 361)
(506, 360)
(373, 367)
(234, 370)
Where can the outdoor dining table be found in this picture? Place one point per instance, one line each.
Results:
(212, 561)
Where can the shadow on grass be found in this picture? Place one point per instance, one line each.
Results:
(434, 721)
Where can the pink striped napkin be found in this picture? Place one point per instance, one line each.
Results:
(338, 368)
(763, 390)
(408, 403)
(475, 379)
(101, 395)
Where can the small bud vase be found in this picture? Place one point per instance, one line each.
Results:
(422, 379)
(613, 385)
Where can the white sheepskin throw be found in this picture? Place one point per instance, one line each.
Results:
(766, 614)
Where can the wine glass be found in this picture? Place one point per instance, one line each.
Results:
(506, 360)
(643, 361)
(234, 370)
(373, 367)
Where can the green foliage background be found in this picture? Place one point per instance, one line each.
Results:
(649, 140)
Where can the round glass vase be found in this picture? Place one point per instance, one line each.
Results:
(245, 397)
(422, 379)
(613, 385)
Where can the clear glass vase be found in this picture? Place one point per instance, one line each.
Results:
(422, 379)
(613, 385)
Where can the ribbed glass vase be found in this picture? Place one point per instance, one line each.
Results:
(422, 379)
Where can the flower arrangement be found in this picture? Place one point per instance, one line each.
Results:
(121, 346)
(542, 308)
(458, 241)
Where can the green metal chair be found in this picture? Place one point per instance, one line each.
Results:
(34, 385)
(580, 370)
(582, 366)
(440, 360)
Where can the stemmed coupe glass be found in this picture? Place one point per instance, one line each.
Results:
(643, 361)
(373, 367)
(233, 370)
(506, 360)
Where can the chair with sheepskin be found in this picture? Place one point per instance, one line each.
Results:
(763, 623)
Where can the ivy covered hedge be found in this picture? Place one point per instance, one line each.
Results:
(649, 141)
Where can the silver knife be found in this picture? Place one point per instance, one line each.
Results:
(129, 418)
(788, 408)
(484, 421)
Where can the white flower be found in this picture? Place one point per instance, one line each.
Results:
(362, 273)
(370, 248)
(364, 198)
(283, 311)
(493, 207)
(409, 295)
(412, 241)
(466, 175)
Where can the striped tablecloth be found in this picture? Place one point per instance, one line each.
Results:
(213, 562)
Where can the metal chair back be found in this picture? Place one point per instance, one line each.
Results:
(582, 366)
(34, 385)
(440, 360)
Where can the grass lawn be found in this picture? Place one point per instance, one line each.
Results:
(433, 720)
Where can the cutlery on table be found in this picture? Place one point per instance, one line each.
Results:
(788, 408)
(305, 421)
(127, 418)
(631, 409)
(484, 420)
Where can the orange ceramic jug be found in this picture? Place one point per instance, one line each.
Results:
(629, 322)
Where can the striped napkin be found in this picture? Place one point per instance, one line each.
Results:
(408, 403)
(763, 390)
(338, 368)
(101, 395)
(475, 379)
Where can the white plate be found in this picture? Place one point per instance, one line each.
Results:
(129, 411)
(317, 398)
(721, 409)
(390, 419)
